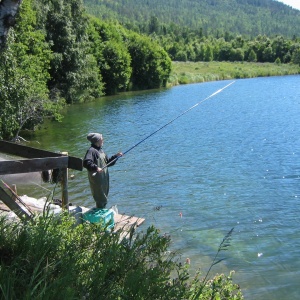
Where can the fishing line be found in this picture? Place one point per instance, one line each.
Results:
(168, 123)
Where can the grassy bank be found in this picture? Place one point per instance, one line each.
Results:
(51, 258)
(193, 72)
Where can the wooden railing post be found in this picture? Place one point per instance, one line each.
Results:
(64, 186)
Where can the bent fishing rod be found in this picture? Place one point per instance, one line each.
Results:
(165, 125)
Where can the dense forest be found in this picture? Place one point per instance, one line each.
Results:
(211, 30)
(212, 17)
(56, 55)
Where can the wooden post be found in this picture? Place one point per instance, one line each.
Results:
(64, 187)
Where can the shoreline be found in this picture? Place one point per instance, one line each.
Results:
(197, 72)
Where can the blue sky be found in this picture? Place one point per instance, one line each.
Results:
(293, 3)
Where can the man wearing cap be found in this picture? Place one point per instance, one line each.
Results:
(97, 163)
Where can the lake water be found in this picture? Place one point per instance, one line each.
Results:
(233, 161)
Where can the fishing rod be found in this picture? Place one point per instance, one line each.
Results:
(165, 125)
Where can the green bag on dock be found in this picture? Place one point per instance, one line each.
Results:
(98, 215)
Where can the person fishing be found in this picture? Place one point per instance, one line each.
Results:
(97, 163)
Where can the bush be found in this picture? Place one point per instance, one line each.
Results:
(51, 258)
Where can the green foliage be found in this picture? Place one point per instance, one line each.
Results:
(112, 55)
(50, 258)
(127, 60)
(252, 57)
(220, 287)
(260, 48)
(277, 61)
(115, 67)
(73, 72)
(151, 65)
(57, 54)
(296, 56)
(24, 64)
(206, 17)
(11, 87)
(192, 72)
(187, 32)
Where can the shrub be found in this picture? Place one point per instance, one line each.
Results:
(51, 258)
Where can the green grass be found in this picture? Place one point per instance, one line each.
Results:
(194, 72)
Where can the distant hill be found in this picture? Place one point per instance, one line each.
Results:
(216, 17)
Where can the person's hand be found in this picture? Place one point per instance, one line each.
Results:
(119, 154)
(99, 170)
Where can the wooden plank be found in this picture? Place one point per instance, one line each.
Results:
(25, 151)
(10, 203)
(75, 163)
(32, 165)
(124, 223)
(34, 209)
(30, 152)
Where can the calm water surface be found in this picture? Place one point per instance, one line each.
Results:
(233, 161)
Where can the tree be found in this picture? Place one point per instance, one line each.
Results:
(24, 65)
(115, 67)
(237, 55)
(252, 56)
(154, 25)
(8, 11)
(181, 55)
(225, 51)
(280, 47)
(268, 55)
(151, 65)
(296, 56)
(208, 54)
(190, 52)
(66, 27)
(174, 49)
(113, 59)
(238, 42)
(277, 61)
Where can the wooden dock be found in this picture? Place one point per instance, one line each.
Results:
(37, 206)
(37, 160)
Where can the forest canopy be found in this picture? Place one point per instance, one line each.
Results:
(211, 30)
(56, 54)
(211, 17)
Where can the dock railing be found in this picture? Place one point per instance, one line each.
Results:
(37, 160)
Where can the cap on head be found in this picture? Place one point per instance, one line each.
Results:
(94, 137)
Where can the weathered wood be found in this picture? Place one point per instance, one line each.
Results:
(30, 152)
(75, 163)
(124, 223)
(25, 151)
(12, 205)
(32, 165)
(14, 188)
